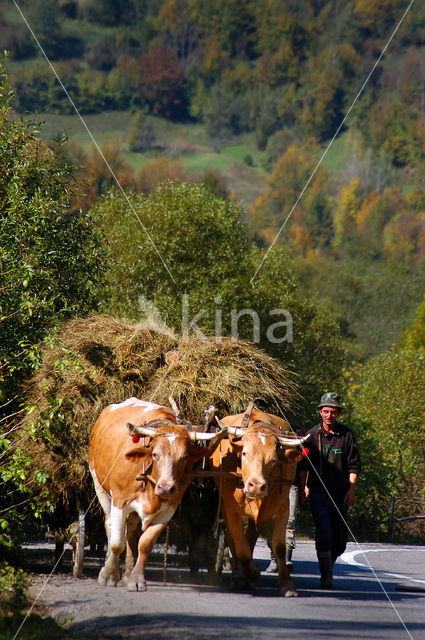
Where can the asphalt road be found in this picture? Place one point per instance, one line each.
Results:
(379, 592)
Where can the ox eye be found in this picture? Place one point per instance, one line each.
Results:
(156, 456)
(244, 454)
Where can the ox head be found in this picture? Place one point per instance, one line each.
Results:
(170, 453)
(260, 449)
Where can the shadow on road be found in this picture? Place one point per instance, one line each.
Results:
(192, 627)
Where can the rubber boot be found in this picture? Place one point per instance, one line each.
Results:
(272, 568)
(326, 569)
(289, 563)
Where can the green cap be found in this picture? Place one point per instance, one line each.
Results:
(330, 399)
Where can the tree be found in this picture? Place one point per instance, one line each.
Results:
(310, 224)
(142, 133)
(209, 263)
(390, 398)
(159, 170)
(162, 82)
(414, 336)
(50, 262)
(50, 259)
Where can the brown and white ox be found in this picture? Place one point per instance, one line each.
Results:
(140, 483)
(258, 465)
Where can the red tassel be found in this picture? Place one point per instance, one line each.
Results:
(135, 438)
(305, 452)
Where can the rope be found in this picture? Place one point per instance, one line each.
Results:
(217, 518)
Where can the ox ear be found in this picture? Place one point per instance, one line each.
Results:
(289, 455)
(235, 441)
(137, 453)
(197, 453)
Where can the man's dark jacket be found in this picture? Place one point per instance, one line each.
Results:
(339, 457)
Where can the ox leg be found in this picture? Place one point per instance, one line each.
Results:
(252, 537)
(137, 581)
(110, 574)
(134, 530)
(286, 586)
(241, 553)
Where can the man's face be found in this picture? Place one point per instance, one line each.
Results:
(329, 416)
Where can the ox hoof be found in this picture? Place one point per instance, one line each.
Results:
(244, 585)
(105, 579)
(288, 592)
(136, 586)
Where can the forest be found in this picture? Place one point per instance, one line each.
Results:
(332, 229)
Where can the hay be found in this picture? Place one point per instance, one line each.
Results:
(99, 360)
(226, 374)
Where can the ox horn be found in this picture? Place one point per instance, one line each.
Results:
(292, 443)
(176, 410)
(234, 431)
(141, 431)
(200, 435)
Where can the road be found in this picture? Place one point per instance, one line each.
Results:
(379, 592)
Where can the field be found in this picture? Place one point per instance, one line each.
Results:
(187, 142)
(239, 163)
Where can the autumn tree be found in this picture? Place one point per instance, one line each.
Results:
(158, 170)
(163, 84)
(310, 223)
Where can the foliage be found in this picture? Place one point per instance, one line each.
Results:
(414, 336)
(372, 302)
(208, 266)
(50, 261)
(389, 397)
(162, 83)
(153, 173)
(13, 605)
(310, 224)
(12, 588)
(142, 134)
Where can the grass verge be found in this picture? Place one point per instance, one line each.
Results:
(14, 605)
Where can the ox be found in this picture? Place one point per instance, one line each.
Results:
(140, 483)
(258, 464)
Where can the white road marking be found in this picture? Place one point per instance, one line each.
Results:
(349, 558)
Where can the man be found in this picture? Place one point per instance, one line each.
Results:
(290, 532)
(331, 469)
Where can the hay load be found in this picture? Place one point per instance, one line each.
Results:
(99, 360)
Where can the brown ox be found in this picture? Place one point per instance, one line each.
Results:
(144, 480)
(267, 458)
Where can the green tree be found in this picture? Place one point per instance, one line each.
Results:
(142, 133)
(390, 398)
(414, 336)
(49, 259)
(205, 247)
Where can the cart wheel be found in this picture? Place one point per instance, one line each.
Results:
(221, 545)
(79, 546)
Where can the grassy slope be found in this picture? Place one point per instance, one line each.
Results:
(188, 142)
(185, 141)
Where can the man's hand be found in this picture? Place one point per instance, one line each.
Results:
(304, 493)
(349, 496)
